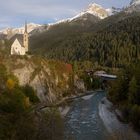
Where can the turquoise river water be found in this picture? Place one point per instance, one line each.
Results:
(83, 121)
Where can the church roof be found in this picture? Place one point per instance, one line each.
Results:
(19, 37)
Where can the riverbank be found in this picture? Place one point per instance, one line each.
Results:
(64, 110)
(83, 121)
(117, 129)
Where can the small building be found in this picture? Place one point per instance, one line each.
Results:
(104, 75)
(98, 73)
(20, 45)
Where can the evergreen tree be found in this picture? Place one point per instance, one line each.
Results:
(133, 89)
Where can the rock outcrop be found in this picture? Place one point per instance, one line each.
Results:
(50, 79)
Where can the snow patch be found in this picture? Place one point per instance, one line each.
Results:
(135, 2)
(20, 30)
(110, 11)
(93, 9)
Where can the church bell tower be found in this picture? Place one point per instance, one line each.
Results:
(25, 39)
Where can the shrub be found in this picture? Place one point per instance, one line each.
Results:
(135, 116)
(29, 92)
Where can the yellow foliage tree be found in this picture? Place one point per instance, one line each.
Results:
(10, 84)
(27, 102)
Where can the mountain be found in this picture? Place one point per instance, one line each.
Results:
(112, 41)
(93, 13)
(97, 10)
(135, 2)
(12, 31)
(50, 36)
(115, 10)
(134, 6)
(94, 9)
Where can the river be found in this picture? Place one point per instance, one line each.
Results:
(83, 121)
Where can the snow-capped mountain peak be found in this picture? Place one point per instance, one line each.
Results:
(20, 30)
(110, 11)
(134, 6)
(135, 2)
(97, 10)
(93, 9)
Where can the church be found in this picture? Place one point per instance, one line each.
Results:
(20, 45)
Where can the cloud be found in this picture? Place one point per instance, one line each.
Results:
(41, 8)
(14, 12)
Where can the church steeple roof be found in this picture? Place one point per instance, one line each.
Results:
(19, 37)
(26, 27)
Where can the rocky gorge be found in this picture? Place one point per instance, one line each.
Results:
(52, 80)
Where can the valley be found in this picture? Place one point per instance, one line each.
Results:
(51, 76)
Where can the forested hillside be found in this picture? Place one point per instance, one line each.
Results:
(124, 93)
(113, 41)
(19, 119)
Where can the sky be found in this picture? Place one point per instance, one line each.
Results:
(13, 13)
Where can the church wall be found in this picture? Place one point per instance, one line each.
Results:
(17, 49)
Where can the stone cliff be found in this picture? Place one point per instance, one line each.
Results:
(52, 80)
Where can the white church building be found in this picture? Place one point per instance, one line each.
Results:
(20, 45)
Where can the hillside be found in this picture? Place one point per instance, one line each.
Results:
(51, 79)
(106, 42)
(26, 83)
(59, 32)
